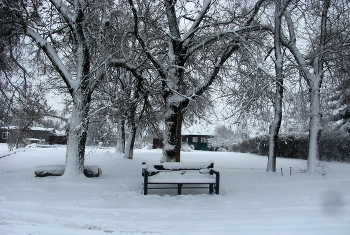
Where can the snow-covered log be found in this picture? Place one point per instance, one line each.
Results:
(49, 170)
(58, 170)
(92, 171)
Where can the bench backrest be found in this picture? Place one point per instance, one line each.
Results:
(179, 166)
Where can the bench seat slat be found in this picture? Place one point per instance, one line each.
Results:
(178, 178)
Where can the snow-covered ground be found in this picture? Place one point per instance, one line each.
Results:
(250, 201)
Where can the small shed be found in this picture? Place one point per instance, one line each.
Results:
(199, 142)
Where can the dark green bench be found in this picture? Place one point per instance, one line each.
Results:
(176, 175)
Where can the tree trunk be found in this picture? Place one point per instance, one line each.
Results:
(120, 148)
(274, 130)
(276, 123)
(315, 83)
(78, 126)
(172, 139)
(274, 133)
(129, 150)
(315, 124)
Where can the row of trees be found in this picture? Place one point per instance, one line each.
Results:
(309, 41)
(149, 64)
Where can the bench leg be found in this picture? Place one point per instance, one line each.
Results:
(211, 188)
(217, 183)
(145, 190)
(179, 189)
(145, 183)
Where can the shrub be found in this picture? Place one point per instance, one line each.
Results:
(334, 146)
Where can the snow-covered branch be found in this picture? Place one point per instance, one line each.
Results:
(254, 11)
(198, 20)
(172, 19)
(145, 49)
(219, 64)
(65, 12)
(121, 63)
(53, 57)
(291, 45)
(218, 36)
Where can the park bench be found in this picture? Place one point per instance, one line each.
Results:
(176, 174)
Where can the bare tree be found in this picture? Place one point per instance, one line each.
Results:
(191, 40)
(314, 78)
(71, 34)
(280, 6)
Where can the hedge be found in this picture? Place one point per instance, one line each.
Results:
(334, 146)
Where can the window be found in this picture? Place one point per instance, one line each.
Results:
(204, 140)
(5, 135)
(195, 139)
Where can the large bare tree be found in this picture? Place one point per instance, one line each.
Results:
(312, 69)
(275, 126)
(73, 37)
(198, 39)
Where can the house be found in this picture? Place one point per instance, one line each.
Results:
(199, 142)
(195, 136)
(38, 135)
(4, 135)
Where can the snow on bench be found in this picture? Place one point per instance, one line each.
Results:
(196, 173)
(58, 170)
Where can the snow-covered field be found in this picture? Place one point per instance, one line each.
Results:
(250, 201)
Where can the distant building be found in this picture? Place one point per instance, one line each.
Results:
(37, 135)
(198, 142)
(195, 136)
(157, 143)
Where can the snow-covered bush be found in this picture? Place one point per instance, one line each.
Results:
(186, 147)
(224, 138)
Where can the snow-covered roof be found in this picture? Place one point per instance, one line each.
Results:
(41, 129)
(198, 129)
(9, 127)
(32, 128)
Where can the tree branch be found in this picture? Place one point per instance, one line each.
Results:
(224, 57)
(154, 61)
(198, 20)
(215, 37)
(68, 16)
(172, 19)
(255, 12)
(53, 57)
(291, 45)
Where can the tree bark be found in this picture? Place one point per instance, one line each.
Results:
(120, 148)
(78, 126)
(172, 139)
(315, 125)
(129, 150)
(276, 123)
(315, 86)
